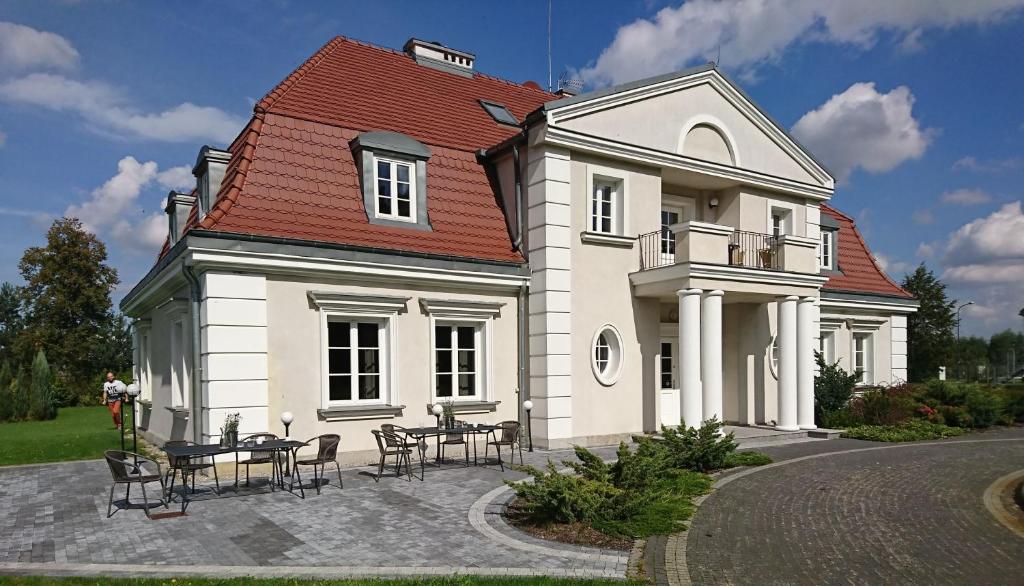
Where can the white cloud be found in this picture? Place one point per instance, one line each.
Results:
(113, 209)
(970, 163)
(176, 178)
(104, 109)
(965, 197)
(864, 128)
(923, 216)
(750, 33)
(926, 250)
(890, 266)
(24, 48)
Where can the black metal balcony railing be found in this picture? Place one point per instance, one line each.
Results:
(754, 250)
(746, 249)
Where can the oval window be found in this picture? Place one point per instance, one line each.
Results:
(606, 355)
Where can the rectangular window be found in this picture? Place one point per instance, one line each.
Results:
(862, 358)
(395, 186)
(826, 249)
(355, 352)
(603, 204)
(668, 239)
(457, 360)
(666, 366)
(827, 347)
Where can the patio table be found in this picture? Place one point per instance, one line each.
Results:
(421, 433)
(288, 446)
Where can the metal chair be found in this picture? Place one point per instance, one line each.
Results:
(390, 444)
(327, 451)
(127, 468)
(456, 437)
(409, 442)
(186, 466)
(258, 456)
(509, 437)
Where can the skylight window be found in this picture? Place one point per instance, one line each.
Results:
(499, 113)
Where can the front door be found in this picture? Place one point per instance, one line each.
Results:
(670, 214)
(668, 381)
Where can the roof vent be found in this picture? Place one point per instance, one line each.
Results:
(440, 57)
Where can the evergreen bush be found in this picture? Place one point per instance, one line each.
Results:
(21, 393)
(6, 396)
(833, 389)
(41, 404)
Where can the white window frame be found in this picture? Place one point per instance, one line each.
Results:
(179, 365)
(867, 355)
(619, 181)
(481, 333)
(463, 312)
(773, 356)
(826, 250)
(786, 213)
(357, 307)
(394, 215)
(384, 365)
(611, 375)
(827, 346)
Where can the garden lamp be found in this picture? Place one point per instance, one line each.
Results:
(133, 391)
(121, 390)
(437, 410)
(528, 406)
(286, 419)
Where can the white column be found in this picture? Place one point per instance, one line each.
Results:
(690, 393)
(711, 354)
(805, 324)
(786, 333)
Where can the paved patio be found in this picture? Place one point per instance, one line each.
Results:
(54, 521)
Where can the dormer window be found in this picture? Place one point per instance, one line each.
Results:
(393, 173)
(395, 182)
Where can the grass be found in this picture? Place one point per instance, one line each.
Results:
(440, 581)
(913, 430)
(78, 433)
(737, 459)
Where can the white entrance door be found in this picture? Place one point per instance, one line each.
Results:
(670, 214)
(668, 381)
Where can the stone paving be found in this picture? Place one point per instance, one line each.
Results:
(54, 521)
(902, 514)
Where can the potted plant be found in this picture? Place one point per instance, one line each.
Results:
(229, 431)
(448, 414)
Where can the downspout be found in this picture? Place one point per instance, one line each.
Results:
(522, 308)
(518, 243)
(195, 298)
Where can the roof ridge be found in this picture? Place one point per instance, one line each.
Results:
(287, 83)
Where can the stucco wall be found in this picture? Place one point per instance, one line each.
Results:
(879, 325)
(157, 419)
(294, 352)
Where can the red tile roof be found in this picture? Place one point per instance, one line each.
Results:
(293, 175)
(858, 271)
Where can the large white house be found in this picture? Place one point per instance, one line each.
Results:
(392, 229)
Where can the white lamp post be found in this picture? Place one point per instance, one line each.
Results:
(528, 406)
(133, 391)
(286, 419)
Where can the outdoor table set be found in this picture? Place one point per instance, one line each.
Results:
(399, 441)
(272, 447)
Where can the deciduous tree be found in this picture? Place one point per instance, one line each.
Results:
(930, 329)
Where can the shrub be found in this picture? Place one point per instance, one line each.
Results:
(984, 407)
(642, 467)
(21, 392)
(845, 417)
(736, 459)
(947, 392)
(833, 388)
(564, 498)
(956, 416)
(913, 430)
(41, 405)
(1013, 403)
(703, 449)
(878, 407)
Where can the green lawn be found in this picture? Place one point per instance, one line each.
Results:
(78, 433)
(445, 581)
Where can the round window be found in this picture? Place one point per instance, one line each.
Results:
(606, 355)
(773, 357)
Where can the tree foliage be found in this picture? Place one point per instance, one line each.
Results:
(930, 329)
(10, 319)
(66, 306)
(41, 403)
(6, 395)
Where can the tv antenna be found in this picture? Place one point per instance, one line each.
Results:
(549, 45)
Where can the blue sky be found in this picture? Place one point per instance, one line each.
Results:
(915, 105)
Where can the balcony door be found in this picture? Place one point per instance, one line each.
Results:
(668, 381)
(670, 214)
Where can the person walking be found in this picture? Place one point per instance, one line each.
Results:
(113, 392)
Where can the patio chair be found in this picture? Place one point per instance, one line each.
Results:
(509, 437)
(390, 444)
(187, 467)
(327, 451)
(258, 456)
(127, 468)
(456, 437)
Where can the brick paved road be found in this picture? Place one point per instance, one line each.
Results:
(53, 518)
(912, 514)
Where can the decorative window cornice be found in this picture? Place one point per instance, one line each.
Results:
(357, 302)
(461, 308)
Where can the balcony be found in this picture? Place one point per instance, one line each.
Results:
(700, 242)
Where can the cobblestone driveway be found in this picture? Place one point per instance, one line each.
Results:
(911, 514)
(54, 520)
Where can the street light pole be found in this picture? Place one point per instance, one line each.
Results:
(959, 369)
